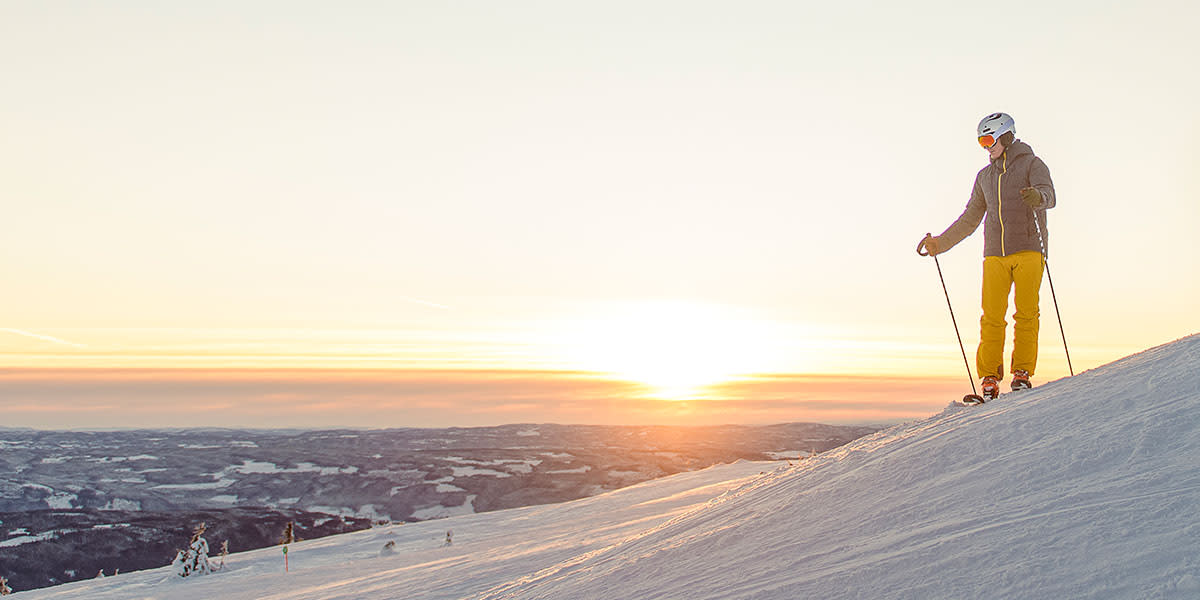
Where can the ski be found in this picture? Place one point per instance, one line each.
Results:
(976, 399)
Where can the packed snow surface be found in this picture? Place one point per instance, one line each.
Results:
(1086, 487)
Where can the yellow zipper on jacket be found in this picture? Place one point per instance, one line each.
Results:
(1000, 202)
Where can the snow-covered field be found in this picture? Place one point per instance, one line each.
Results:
(1086, 487)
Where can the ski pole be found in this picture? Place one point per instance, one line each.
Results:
(973, 397)
(1046, 263)
(1060, 324)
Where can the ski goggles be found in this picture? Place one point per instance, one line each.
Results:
(987, 141)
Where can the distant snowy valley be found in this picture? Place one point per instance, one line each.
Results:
(73, 504)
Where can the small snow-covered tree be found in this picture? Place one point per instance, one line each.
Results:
(224, 553)
(4, 589)
(194, 560)
(289, 534)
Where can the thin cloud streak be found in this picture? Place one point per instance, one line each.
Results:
(39, 336)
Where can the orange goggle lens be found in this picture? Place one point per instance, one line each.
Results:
(987, 141)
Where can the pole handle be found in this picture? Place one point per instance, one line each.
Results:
(921, 245)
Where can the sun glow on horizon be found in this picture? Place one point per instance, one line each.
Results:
(676, 349)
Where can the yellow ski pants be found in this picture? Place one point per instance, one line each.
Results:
(1001, 274)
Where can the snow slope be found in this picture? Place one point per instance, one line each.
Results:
(1087, 487)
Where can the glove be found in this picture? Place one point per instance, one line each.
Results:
(1032, 197)
(933, 244)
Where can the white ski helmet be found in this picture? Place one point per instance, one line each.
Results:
(993, 126)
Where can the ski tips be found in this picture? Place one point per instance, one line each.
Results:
(973, 399)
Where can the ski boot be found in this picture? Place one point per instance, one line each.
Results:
(990, 388)
(1021, 380)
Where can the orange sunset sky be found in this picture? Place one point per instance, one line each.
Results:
(304, 214)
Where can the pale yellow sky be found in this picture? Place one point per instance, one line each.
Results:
(632, 187)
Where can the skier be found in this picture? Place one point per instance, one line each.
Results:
(1010, 197)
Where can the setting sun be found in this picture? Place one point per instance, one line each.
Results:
(676, 349)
